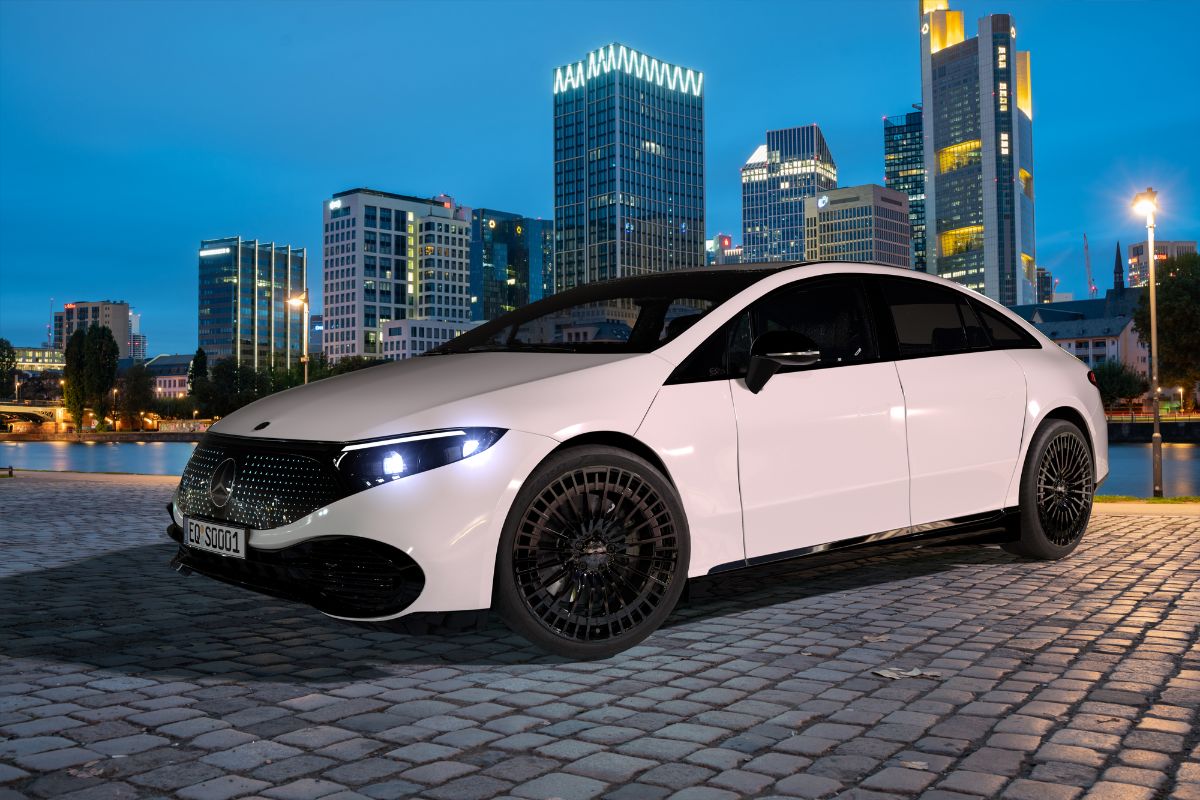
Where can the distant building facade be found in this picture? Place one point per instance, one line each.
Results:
(1045, 285)
(82, 314)
(794, 164)
(316, 333)
(509, 261)
(977, 123)
(723, 252)
(243, 313)
(1097, 330)
(137, 340)
(170, 374)
(858, 223)
(1139, 265)
(406, 338)
(387, 258)
(35, 360)
(628, 167)
(904, 171)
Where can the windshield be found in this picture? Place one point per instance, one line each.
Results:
(629, 315)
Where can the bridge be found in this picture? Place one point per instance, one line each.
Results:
(29, 410)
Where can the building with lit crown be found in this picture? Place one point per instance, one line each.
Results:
(388, 258)
(794, 164)
(858, 223)
(628, 167)
(245, 285)
(977, 123)
(904, 171)
(82, 314)
(1139, 267)
(510, 257)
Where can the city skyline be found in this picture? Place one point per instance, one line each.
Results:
(127, 119)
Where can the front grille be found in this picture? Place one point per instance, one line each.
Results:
(346, 576)
(276, 482)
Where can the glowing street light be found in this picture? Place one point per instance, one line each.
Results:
(1146, 204)
(301, 301)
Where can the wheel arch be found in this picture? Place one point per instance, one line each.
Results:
(622, 441)
(1061, 411)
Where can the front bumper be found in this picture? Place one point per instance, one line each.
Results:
(438, 531)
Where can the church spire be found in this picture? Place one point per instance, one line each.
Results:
(1118, 270)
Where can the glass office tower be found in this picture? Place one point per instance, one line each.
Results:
(904, 171)
(978, 140)
(243, 310)
(795, 163)
(508, 262)
(628, 167)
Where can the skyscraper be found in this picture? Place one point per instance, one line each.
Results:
(508, 262)
(1139, 265)
(244, 314)
(795, 163)
(392, 257)
(977, 119)
(628, 167)
(858, 223)
(904, 170)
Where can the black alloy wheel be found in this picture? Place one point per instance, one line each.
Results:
(594, 555)
(1058, 484)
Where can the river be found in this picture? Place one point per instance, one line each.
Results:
(1129, 473)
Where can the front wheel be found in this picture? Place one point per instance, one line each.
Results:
(594, 553)
(1057, 486)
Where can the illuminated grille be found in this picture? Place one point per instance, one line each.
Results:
(275, 483)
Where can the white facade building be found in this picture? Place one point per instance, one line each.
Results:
(391, 258)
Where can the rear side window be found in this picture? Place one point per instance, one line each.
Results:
(1005, 334)
(930, 319)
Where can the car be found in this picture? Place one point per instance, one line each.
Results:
(572, 464)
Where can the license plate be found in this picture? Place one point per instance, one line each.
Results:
(215, 538)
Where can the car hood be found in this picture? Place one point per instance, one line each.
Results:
(555, 394)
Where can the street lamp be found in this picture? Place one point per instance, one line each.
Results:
(17, 389)
(1146, 204)
(301, 301)
(1180, 390)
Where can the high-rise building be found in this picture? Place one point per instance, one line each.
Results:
(316, 333)
(137, 341)
(82, 314)
(1045, 286)
(1139, 266)
(244, 313)
(858, 223)
(977, 121)
(723, 252)
(904, 171)
(795, 163)
(391, 257)
(628, 167)
(508, 261)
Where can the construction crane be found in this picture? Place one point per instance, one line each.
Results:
(1087, 261)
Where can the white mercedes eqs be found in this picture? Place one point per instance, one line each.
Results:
(571, 464)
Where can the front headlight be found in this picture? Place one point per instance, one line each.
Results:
(367, 464)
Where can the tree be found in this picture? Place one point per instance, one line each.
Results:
(136, 395)
(8, 368)
(74, 389)
(1178, 323)
(1117, 382)
(100, 370)
(199, 383)
(355, 363)
(231, 387)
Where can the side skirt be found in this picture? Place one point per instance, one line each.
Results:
(1002, 522)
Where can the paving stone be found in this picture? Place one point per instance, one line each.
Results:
(222, 788)
(811, 786)
(559, 785)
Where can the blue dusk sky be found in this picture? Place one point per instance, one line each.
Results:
(131, 131)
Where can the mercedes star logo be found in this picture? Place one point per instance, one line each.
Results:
(221, 485)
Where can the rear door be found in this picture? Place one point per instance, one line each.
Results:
(964, 401)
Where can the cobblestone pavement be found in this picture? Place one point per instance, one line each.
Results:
(119, 678)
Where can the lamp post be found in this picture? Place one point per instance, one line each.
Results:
(1146, 204)
(17, 389)
(301, 301)
(1180, 390)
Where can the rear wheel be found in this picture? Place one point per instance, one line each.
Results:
(1057, 487)
(594, 553)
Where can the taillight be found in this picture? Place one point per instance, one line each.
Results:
(1092, 378)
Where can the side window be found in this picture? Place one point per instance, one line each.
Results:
(1005, 334)
(833, 314)
(931, 319)
(722, 356)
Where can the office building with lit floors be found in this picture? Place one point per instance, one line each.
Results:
(244, 314)
(82, 314)
(390, 257)
(1139, 265)
(793, 165)
(858, 223)
(510, 261)
(977, 120)
(904, 171)
(628, 168)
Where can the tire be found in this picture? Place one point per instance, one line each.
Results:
(594, 553)
(1058, 483)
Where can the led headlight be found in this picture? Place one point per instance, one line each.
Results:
(367, 464)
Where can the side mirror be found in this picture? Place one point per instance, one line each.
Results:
(774, 350)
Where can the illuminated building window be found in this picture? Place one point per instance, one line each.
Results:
(961, 240)
(1002, 57)
(1003, 144)
(960, 155)
(1003, 96)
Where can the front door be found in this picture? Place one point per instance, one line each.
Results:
(821, 450)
